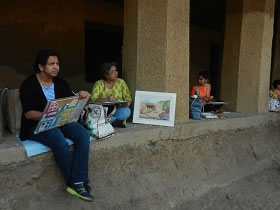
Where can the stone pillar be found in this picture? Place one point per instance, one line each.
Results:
(247, 54)
(156, 48)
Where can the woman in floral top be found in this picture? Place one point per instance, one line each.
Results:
(110, 89)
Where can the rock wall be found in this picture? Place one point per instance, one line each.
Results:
(145, 168)
(29, 26)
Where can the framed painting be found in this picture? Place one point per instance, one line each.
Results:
(155, 108)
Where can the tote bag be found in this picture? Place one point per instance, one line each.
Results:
(195, 108)
(274, 105)
(94, 120)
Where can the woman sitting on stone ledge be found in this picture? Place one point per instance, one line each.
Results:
(35, 91)
(112, 89)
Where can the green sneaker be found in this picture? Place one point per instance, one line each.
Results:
(80, 191)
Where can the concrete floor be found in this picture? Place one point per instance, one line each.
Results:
(257, 191)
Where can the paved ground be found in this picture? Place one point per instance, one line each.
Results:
(258, 191)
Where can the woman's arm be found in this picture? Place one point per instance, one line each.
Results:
(208, 97)
(110, 99)
(28, 99)
(33, 115)
(192, 92)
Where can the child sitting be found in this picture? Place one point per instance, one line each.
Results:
(203, 89)
(200, 95)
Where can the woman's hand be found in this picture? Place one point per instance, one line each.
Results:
(112, 98)
(208, 98)
(127, 104)
(83, 94)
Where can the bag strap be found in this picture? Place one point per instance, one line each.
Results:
(108, 117)
(193, 101)
(4, 90)
(3, 105)
(197, 91)
(85, 117)
(97, 125)
(207, 90)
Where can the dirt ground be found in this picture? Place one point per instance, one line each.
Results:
(258, 191)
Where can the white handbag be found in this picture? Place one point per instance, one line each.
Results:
(94, 120)
(274, 105)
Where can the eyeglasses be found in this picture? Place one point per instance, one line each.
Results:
(112, 72)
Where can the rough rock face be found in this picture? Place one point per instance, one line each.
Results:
(257, 191)
(145, 172)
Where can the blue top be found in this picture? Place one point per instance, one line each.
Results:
(49, 92)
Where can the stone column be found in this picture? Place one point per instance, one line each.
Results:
(156, 48)
(247, 54)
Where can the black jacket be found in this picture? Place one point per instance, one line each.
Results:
(33, 98)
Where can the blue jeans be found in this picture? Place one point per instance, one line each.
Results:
(74, 168)
(122, 113)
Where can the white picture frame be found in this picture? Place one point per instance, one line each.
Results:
(154, 108)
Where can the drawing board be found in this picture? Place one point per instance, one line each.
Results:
(60, 112)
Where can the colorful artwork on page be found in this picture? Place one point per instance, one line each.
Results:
(154, 109)
(60, 112)
(51, 110)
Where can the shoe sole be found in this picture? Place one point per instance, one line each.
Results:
(73, 192)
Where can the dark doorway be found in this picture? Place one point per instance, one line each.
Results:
(207, 26)
(275, 44)
(102, 43)
(215, 68)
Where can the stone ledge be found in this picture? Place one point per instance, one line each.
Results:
(12, 152)
(149, 167)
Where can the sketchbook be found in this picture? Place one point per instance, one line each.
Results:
(218, 102)
(209, 115)
(60, 112)
(114, 102)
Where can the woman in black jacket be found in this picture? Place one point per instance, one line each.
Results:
(35, 91)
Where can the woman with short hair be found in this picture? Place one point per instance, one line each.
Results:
(110, 88)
